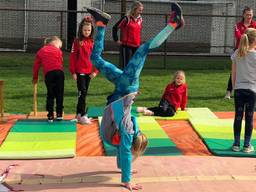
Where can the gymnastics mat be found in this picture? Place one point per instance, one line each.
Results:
(38, 139)
(201, 113)
(180, 115)
(98, 111)
(190, 113)
(217, 134)
(159, 144)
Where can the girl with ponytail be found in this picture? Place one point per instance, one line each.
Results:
(244, 81)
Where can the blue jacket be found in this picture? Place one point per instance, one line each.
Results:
(117, 116)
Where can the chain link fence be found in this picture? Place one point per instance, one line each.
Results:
(208, 31)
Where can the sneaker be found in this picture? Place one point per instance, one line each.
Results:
(59, 117)
(176, 16)
(99, 15)
(236, 148)
(83, 119)
(248, 149)
(50, 119)
(228, 95)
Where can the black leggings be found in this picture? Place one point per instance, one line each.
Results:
(83, 82)
(164, 109)
(244, 102)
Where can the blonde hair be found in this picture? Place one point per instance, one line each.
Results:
(179, 72)
(134, 6)
(49, 40)
(247, 39)
(139, 145)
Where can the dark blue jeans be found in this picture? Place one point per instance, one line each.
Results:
(244, 102)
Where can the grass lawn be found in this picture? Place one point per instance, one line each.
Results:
(206, 79)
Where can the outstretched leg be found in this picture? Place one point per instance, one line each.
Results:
(129, 81)
(110, 71)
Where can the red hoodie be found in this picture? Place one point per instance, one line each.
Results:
(176, 95)
(50, 57)
(79, 60)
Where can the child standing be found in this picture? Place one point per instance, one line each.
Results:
(118, 112)
(50, 57)
(130, 27)
(81, 67)
(175, 96)
(244, 81)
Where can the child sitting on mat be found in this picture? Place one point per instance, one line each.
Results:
(50, 57)
(175, 96)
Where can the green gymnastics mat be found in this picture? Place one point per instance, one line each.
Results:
(98, 111)
(217, 134)
(201, 113)
(38, 139)
(159, 144)
(180, 115)
(190, 113)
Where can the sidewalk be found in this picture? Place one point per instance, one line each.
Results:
(165, 174)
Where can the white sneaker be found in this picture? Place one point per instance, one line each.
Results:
(248, 149)
(228, 95)
(83, 119)
(235, 148)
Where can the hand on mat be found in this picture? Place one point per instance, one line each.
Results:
(132, 187)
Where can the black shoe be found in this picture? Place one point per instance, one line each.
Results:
(99, 15)
(176, 16)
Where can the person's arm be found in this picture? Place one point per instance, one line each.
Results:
(238, 33)
(122, 21)
(37, 64)
(233, 74)
(95, 72)
(184, 98)
(125, 158)
(73, 58)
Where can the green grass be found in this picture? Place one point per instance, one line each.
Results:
(206, 77)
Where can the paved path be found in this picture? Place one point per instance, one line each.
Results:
(170, 174)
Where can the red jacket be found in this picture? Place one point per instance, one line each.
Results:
(130, 30)
(50, 57)
(79, 60)
(176, 95)
(240, 28)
